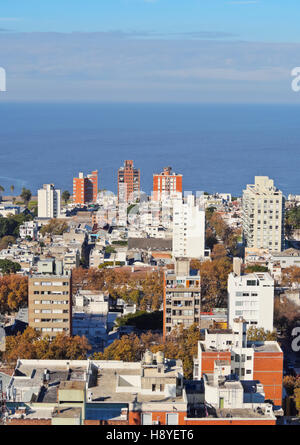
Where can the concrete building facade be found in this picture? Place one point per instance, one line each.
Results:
(50, 304)
(49, 202)
(263, 215)
(251, 296)
(182, 296)
(188, 229)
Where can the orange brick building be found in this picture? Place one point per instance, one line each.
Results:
(128, 181)
(85, 188)
(166, 183)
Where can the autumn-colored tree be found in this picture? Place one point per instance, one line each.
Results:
(219, 225)
(128, 348)
(285, 311)
(144, 290)
(219, 251)
(291, 383)
(29, 345)
(180, 344)
(214, 277)
(54, 227)
(13, 292)
(259, 334)
(5, 241)
(195, 264)
(209, 211)
(210, 238)
(291, 275)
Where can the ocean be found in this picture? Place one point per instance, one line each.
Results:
(217, 148)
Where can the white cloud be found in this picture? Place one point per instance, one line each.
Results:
(114, 65)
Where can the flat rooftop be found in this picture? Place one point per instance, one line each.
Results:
(105, 389)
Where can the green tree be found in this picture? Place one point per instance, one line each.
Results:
(8, 266)
(65, 196)
(256, 268)
(26, 195)
(12, 188)
(142, 320)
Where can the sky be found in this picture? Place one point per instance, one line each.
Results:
(150, 50)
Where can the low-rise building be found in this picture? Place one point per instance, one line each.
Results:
(251, 296)
(262, 361)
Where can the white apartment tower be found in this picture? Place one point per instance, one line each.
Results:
(251, 297)
(48, 202)
(188, 229)
(263, 215)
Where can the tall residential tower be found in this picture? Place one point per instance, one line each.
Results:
(263, 215)
(48, 202)
(128, 182)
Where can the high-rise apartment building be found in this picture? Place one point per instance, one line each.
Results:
(188, 229)
(251, 297)
(166, 184)
(85, 188)
(128, 182)
(263, 215)
(50, 300)
(49, 202)
(182, 296)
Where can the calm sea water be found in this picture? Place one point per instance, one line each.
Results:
(215, 147)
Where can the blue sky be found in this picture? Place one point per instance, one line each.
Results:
(267, 20)
(138, 50)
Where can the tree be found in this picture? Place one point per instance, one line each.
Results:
(13, 292)
(291, 275)
(12, 188)
(209, 211)
(180, 344)
(256, 268)
(214, 277)
(142, 320)
(8, 266)
(210, 238)
(218, 252)
(6, 241)
(128, 348)
(259, 334)
(65, 196)
(26, 195)
(29, 345)
(1, 188)
(54, 227)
